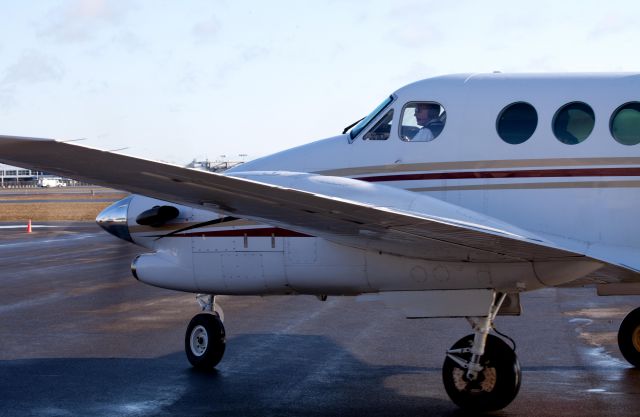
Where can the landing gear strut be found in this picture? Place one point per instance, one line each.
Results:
(629, 338)
(205, 340)
(481, 371)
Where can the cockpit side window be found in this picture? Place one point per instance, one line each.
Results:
(422, 121)
(382, 129)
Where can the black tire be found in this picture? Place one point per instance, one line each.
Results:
(629, 338)
(205, 341)
(496, 386)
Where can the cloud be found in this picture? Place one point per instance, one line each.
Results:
(253, 53)
(611, 25)
(7, 97)
(81, 20)
(244, 57)
(416, 36)
(130, 41)
(415, 24)
(206, 30)
(32, 67)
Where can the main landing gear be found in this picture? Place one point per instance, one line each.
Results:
(481, 372)
(629, 338)
(204, 341)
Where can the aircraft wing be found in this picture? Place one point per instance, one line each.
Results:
(341, 210)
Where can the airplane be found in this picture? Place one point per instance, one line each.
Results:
(523, 181)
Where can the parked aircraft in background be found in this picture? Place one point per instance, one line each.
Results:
(452, 197)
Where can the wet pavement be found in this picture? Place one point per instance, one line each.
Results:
(79, 336)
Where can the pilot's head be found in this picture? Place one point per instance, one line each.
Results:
(426, 112)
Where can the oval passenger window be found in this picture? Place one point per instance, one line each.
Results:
(573, 123)
(517, 122)
(625, 124)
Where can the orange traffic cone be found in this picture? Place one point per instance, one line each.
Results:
(29, 226)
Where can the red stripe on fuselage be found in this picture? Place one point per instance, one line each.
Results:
(527, 173)
(259, 232)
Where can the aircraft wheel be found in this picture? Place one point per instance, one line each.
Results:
(629, 338)
(205, 341)
(497, 384)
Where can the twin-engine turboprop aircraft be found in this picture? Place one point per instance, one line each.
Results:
(452, 197)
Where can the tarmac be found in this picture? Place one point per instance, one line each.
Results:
(80, 337)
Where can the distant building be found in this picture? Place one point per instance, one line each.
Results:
(213, 166)
(10, 175)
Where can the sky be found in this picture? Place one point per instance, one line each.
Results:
(226, 80)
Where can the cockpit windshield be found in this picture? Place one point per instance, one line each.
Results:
(364, 122)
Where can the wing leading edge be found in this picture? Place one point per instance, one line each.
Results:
(342, 210)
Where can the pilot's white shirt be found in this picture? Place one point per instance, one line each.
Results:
(423, 135)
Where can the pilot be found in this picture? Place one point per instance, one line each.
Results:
(427, 116)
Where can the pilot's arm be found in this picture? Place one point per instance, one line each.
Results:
(423, 135)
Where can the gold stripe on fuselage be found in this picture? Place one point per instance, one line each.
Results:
(467, 165)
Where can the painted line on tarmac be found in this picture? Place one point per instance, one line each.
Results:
(24, 226)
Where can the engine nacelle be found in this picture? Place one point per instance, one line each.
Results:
(161, 270)
(200, 251)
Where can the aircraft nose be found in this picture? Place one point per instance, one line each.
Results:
(113, 219)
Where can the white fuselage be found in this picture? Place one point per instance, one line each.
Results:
(583, 196)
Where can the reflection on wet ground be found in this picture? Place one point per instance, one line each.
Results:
(79, 336)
